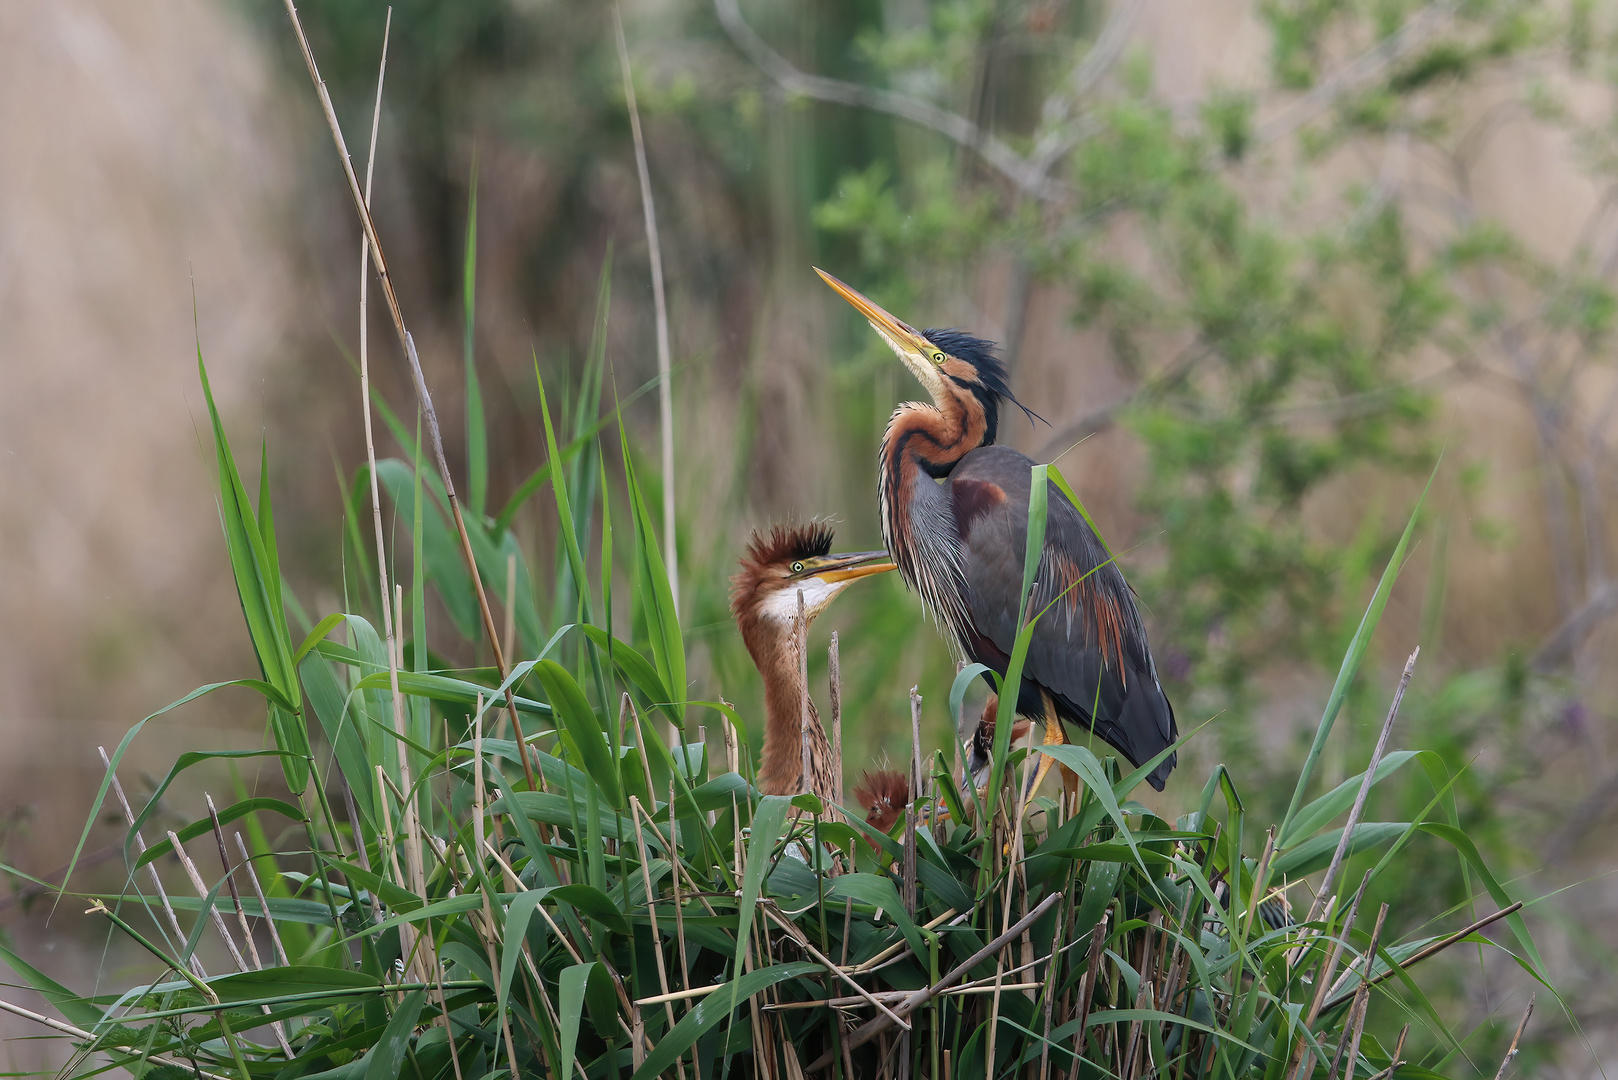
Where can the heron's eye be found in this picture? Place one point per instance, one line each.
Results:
(938, 358)
(797, 568)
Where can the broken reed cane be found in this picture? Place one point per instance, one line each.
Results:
(423, 397)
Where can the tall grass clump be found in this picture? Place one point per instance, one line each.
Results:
(534, 866)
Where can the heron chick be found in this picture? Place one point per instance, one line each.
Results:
(780, 565)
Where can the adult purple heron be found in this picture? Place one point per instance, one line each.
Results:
(955, 519)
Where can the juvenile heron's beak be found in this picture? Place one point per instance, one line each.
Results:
(838, 569)
(921, 356)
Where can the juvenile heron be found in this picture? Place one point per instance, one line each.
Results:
(955, 519)
(885, 792)
(764, 600)
(779, 565)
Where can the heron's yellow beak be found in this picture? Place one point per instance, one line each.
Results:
(921, 356)
(837, 569)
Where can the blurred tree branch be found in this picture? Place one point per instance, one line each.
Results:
(1003, 158)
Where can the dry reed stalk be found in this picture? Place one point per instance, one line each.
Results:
(835, 678)
(202, 894)
(773, 914)
(1436, 947)
(392, 614)
(800, 636)
(789, 1059)
(1087, 988)
(385, 784)
(151, 868)
(479, 801)
(1365, 790)
(892, 950)
(1050, 1000)
(1323, 978)
(409, 813)
(636, 812)
(241, 918)
(263, 904)
(1020, 802)
(385, 593)
(909, 884)
(185, 1066)
(915, 743)
(423, 397)
(679, 904)
(354, 826)
(1260, 877)
(1146, 962)
(894, 995)
(1511, 1051)
(1394, 1062)
(1143, 1000)
(755, 1017)
(682, 995)
(733, 754)
(230, 882)
(1350, 1039)
(921, 997)
(510, 637)
(665, 394)
(627, 707)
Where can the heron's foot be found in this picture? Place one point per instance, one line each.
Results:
(1055, 735)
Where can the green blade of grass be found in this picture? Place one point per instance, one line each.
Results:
(250, 541)
(582, 730)
(769, 818)
(386, 1059)
(235, 811)
(709, 1013)
(1315, 816)
(1351, 665)
(655, 596)
(440, 546)
(564, 504)
(78, 1010)
(578, 986)
(1011, 684)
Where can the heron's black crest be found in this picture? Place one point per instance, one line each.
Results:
(992, 373)
(786, 543)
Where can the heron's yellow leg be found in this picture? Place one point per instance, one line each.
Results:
(1054, 736)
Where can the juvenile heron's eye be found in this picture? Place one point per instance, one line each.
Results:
(797, 568)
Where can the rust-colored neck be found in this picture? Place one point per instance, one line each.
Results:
(781, 768)
(935, 437)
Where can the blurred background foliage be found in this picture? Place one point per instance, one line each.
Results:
(1257, 264)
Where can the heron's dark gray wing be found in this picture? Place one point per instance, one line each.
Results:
(1089, 649)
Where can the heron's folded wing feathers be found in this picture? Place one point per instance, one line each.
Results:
(1089, 647)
